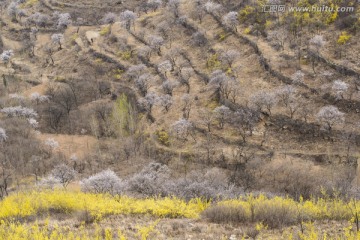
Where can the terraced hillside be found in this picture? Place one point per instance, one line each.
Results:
(194, 99)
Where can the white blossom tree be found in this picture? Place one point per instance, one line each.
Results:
(317, 42)
(3, 136)
(57, 38)
(19, 111)
(165, 67)
(38, 98)
(340, 87)
(222, 115)
(165, 101)
(213, 8)
(143, 83)
(329, 116)
(128, 18)
(33, 122)
(155, 43)
(6, 56)
(264, 100)
(51, 143)
(168, 87)
(228, 57)
(103, 182)
(231, 21)
(222, 84)
(154, 4)
(173, 6)
(182, 129)
(134, 72)
(298, 77)
(64, 20)
(147, 102)
(13, 10)
(109, 18)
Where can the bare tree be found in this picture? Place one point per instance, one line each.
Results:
(244, 121)
(13, 10)
(199, 39)
(207, 118)
(185, 75)
(199, 11)
(64, 174)
(187, 100)
(63, 96)
(279, 36)
(288, 96)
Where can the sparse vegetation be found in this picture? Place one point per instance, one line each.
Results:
(130, 119)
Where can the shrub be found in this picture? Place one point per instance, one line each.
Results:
(163, 137)
(105, 30)
(19, 111)
(275, 215)
(343, 38)
(226, 214)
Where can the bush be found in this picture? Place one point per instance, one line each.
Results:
(275, 215)
(163, 137)
(226, 214)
